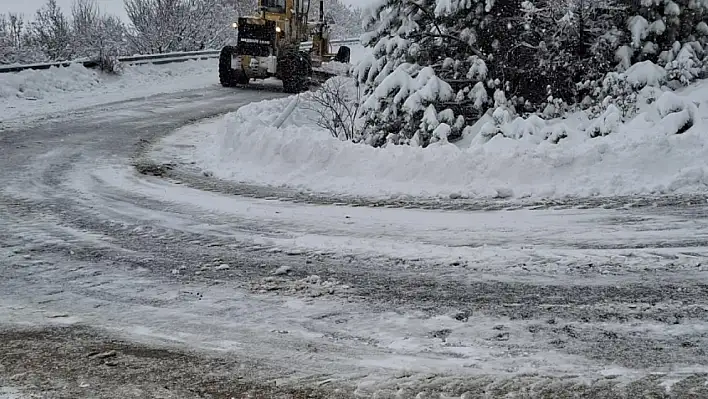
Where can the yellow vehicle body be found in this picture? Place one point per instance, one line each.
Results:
(269, 45)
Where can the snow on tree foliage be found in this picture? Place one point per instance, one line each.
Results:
(159, 26)
(520, 56)
(51, 32)
(241, 7)
(479, 47)
(562, 42)
(671, 33)
(14, 48)
(346, 19)
(421, 67)
(97, 37)
(156, 26)
(53, 36)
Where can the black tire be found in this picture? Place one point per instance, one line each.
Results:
(294, 86)
(294, 69)
(344, 55)
(240, 77)
(227, 75)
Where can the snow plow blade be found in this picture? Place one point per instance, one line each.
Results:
(321, 76)
(330, 70)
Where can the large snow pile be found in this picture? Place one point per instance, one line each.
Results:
(359, 52)
(34, 92)
(662, 150)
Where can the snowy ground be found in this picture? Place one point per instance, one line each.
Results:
(484, 242)
(9, 393)
(644, 156)
(206, 293)
(96, 257)
(31, 93)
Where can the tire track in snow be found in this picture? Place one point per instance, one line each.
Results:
(193, 178)
(479, 330)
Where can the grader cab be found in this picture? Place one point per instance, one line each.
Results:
(269, 46)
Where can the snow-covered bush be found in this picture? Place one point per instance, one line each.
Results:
(609, 122)
(97, 37)
(677, 115)
(501, 116)
(686, 63)
(524, 128)
(671, 114)
(51, 32)
(336, 104)
(623, 89)
(661, 30)
(14, 48)
(555, 133)
(645, 73)
(532, 129)
(110, 64)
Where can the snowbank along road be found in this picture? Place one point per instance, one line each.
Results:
(121, 278)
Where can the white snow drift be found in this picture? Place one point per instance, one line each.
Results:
(34, 92)
(39, 92)
(648, 155)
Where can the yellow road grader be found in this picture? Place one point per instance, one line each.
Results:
(269, 45)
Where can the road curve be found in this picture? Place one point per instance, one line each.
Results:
(121, 284)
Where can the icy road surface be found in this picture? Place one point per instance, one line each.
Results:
(121, 284)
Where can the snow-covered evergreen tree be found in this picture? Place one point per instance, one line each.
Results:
(562, 43)
(428, 77)
(671, 33)
(437, 65)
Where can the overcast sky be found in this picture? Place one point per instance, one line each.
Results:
(28, 7)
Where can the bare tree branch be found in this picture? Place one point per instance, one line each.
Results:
(337, 105)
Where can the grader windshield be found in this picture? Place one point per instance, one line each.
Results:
(274, 6)
(281, 6)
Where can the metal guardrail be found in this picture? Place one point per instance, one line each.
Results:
(18, 68)
(159, 59)
(152, 57)
(156, 59)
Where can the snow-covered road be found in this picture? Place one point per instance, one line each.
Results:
(319, 297)
(32, 94)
